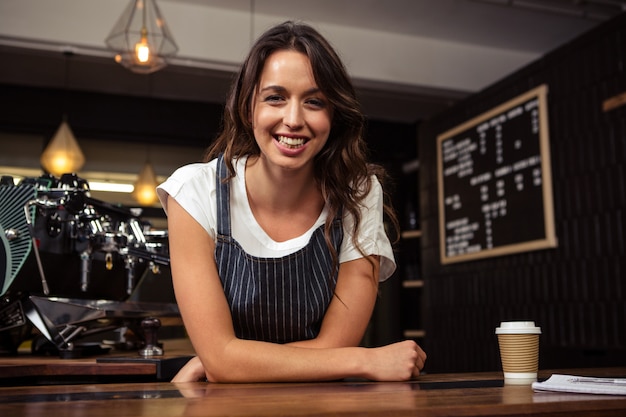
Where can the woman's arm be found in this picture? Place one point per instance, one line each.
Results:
(225, 358)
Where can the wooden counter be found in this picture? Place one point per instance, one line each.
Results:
(478, 394)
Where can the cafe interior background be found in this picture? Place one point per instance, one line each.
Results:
(421, 68)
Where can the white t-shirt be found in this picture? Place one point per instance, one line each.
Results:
(193, 187)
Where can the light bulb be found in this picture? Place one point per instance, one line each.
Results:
(145, 195)
(60, 163)
(142, 51)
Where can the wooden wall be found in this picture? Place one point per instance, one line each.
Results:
(577, 291)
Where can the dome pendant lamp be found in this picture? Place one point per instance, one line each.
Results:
(141, 38)
(62, 155)
(145, 186)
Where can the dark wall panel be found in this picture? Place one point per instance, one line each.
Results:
(577, 291)
(114, 117)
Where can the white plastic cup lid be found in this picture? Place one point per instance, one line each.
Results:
(518, 327)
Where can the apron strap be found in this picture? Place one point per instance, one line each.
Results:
(223, 198)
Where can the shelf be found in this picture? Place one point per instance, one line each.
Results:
(414, 334)
(411, 234)
(413, 283)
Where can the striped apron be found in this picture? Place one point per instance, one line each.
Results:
(277, 300)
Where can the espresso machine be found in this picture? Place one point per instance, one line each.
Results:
(72, 266)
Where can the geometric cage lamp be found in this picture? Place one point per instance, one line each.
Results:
(141, 38)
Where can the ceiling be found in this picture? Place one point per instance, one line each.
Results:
(535, 26)
(527, 28)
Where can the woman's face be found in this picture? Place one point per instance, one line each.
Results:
(291, 116)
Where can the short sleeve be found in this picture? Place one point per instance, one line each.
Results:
(372, 236)
(193, 187)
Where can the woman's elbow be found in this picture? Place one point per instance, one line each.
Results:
(223, 370)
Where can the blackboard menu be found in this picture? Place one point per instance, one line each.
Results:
(495, 184)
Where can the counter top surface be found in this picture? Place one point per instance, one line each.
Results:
(464, 394)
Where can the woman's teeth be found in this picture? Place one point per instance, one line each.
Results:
(290, 142)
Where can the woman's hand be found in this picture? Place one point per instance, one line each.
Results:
(396, 362)
(192, 371)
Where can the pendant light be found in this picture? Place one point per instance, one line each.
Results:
(62, 155)
(145, 186)
(141, 38)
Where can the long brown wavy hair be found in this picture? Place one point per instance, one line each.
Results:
(341, 167)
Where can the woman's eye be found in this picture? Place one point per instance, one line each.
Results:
(273, 99)
(314, 102)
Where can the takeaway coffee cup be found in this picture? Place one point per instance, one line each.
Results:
(519, 351)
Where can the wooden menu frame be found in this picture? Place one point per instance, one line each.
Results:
(477, 167)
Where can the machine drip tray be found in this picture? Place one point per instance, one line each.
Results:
(64, 322)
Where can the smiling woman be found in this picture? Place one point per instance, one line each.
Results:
(277, 239)
(292, 117)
